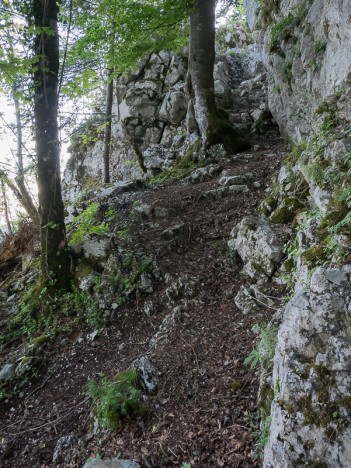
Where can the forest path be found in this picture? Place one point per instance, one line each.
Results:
(206, 396)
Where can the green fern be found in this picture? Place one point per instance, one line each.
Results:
(116, 399)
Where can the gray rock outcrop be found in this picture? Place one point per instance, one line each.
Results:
(153, 125)
(260, 245)
(311, 407)
(306, 49)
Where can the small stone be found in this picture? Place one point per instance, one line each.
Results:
(11, 299)
(149, 308)
(146, 283)
(7, 373)
(178, 230)
(111, 463)
(204, 173)
(232, 180)
(88, 282)
(257, 184)
(160, 211)
(63, 443)
(148, 374)
(257, 148)
(91, 336)
(144, 210)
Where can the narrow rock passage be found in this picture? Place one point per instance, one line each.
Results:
(188, 326)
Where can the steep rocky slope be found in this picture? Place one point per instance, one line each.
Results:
(192, 315)
(184, 321)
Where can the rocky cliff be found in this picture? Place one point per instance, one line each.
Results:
(153, 128)
(306, 49)
(305, 400)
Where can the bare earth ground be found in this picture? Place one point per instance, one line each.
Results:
(201, 412)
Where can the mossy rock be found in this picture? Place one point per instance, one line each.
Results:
(315, 255)
(84, 269)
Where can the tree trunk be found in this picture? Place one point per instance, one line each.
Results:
(6, 208)
(24, 196)
(213, 127)
(21, 191)
(55, 262)
(108, 128)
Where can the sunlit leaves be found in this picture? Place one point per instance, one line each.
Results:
(115, 34)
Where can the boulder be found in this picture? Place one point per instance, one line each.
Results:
(7, 373)
(174, 107)
(157, 158)
(225, 181)
(222, 192)
(118, 188)
(167, 324)
(260, 245)
(204, 173)
(96, 247)
(184, 287)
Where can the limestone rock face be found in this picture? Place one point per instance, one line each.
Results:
(260, 246)
(174, 107)
(311, 376)
(306, 48)
(153, 121)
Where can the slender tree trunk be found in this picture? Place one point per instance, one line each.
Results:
(21, 193)
(24, 196)
(55, 261)
(108, 128)
(6, 208)
(213, 127)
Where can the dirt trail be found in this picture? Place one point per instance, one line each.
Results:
(201, 412)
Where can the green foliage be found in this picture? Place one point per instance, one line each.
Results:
(319, 47)
(170, 175)
(117, 33)
(252, 359)
(39, 312)
(266, 10)
(86, 223)
(115, 399)
(126, 278)
(263, 353)
(286, 71)
(86, 134)
(82, 306)
(282, 31)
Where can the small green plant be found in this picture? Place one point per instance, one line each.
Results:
(115, 399)
(82, 305)
(319, 47)
(87, 223)
(266, 10)
(280, 32)
(252, 359)
(263, 353)
(263, 437)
